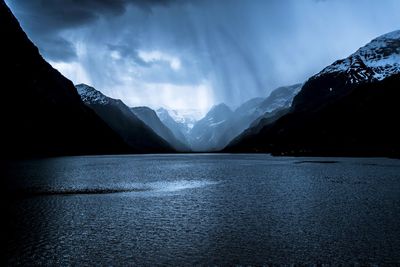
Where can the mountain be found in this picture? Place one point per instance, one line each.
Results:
(180, 122)
(187, 117)
(123, 121)
(254, 110)
(281, 97)
(349, 108)
(206, 133)
(373, 62)
(150, 118)
(41, 112)
(221, 125)
(179, 129)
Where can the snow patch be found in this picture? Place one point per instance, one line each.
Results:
(89, 95)
(376, 60)
(217, 123)
(186, 116)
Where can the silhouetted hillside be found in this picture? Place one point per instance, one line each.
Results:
(150, 118)
(364, 122)
(123, 121)
(349, 108)
(41, 112)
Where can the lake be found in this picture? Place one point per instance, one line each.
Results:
(202, 209)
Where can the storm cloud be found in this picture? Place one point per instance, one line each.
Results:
(193, 54)
(46, 19)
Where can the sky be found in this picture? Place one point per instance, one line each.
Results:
(184, 54)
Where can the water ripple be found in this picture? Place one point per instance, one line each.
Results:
(160, 186)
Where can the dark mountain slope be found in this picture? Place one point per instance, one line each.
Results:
(375, 61)
(150, 118)
(349, 108)
(41, 112)
(125, 123)
(362, 123)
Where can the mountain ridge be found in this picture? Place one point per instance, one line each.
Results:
(42, 114)
(150, 117)
(369, 63)
(123, 121)
(334, 114)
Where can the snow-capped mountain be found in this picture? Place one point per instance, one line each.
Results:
(349, 108)
(180, 130)
(180, 122)
(187, 117)
(373, 62)
(377, 60)
(123, 121)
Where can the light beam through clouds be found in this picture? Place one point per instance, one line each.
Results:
(192, 54)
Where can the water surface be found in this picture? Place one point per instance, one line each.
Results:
(201, 209)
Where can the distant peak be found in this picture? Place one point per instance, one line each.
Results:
(185, 116)
(220, 107)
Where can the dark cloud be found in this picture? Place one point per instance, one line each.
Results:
(57, 48)
(55, 15)
(45, 19)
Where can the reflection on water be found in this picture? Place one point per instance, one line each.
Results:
(177, 185)
(161, 186)
(202, 209)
